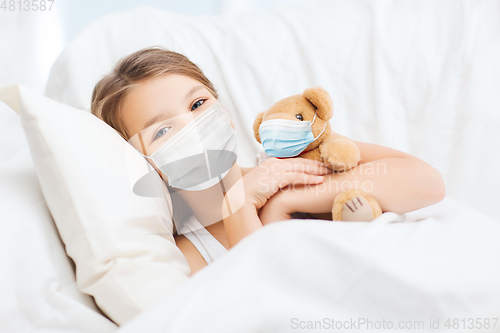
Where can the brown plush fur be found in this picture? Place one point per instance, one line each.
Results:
(344, 197)
(334, 150)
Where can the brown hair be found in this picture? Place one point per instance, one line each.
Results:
(110, 91)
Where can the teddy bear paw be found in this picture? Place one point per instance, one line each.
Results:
(357, 209)
(340, 155)
(355, 205)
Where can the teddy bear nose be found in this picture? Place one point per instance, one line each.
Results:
(299, 117)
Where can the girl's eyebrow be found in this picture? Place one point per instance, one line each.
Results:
(159, 116)
(153, 120)
(192, 91)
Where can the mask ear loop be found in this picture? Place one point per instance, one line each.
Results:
(144, 150)
(170, 208)
(142, 146)
(314, 118)
(324, 127)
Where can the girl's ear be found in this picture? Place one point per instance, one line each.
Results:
(256, 124)
(320, 98)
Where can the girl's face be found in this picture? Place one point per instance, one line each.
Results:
(157, 108)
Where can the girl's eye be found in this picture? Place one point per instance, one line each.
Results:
(299, 117)
(197, 104)
(161, 132)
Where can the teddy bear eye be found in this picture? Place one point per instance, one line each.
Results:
(299, 117)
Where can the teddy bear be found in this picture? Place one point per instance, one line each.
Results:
(299, 126)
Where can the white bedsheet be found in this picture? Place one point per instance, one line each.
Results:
(442, 262)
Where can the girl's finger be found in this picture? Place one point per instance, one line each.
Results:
(299, 178)
(307, 166)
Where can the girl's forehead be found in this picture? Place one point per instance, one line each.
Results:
(170, 88)
(160, 97)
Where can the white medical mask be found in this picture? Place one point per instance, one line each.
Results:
(201, 153)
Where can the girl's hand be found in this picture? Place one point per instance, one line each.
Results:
(247, 195)
(263, 181)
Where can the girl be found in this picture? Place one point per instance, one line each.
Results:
(156, 99)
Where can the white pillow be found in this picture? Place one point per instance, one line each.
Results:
(37, 284)
(121, 243)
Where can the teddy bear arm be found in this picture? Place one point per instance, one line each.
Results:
(339, 152)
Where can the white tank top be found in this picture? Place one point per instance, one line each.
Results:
(208, 246)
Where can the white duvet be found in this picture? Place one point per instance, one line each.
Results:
(442, 262)
(419, 76)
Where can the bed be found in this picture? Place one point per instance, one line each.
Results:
(420, 77)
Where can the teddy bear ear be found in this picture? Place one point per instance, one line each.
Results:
(321, 99)
(256, 125)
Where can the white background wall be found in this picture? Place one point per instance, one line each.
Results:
(31, 40)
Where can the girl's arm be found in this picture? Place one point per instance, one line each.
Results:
(252, 191)
(244, 171)
(398, 181)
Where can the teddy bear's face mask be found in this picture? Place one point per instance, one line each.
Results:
(286, 138)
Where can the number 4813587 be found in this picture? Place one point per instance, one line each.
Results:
(27, 5)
